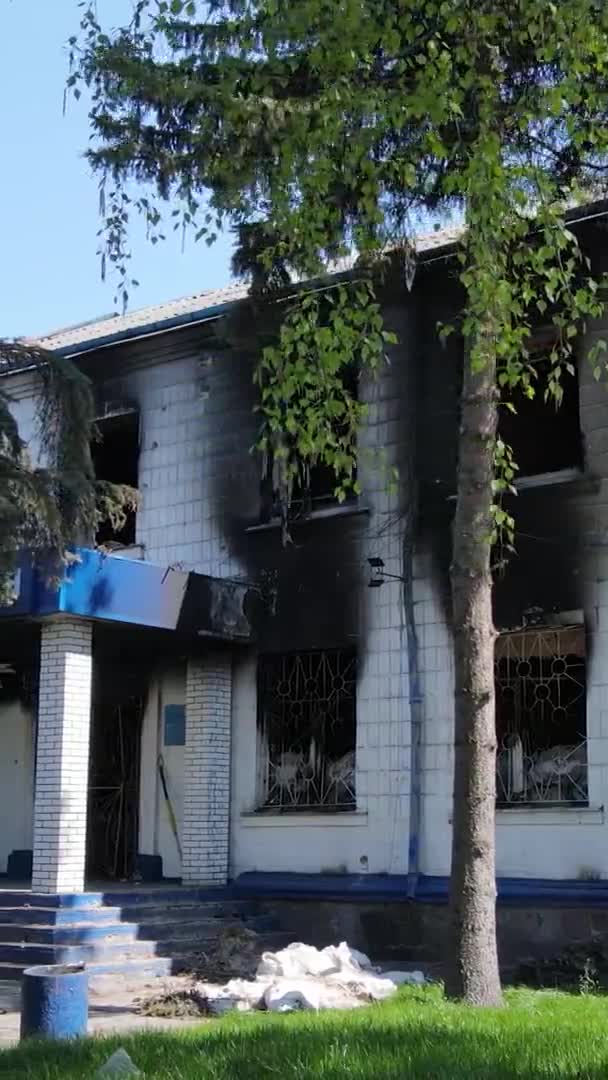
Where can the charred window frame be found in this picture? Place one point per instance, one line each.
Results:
(115, 454)
(315, 489)
(544, 438)
(540, 679)
(307, 731)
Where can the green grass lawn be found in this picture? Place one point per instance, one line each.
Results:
(539, 1035)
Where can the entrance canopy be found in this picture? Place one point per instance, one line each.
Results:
(111, 588)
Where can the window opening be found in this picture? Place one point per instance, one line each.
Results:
(544, 438)
(115, 456)
(541, 716)
(307, 731)
(315, 489)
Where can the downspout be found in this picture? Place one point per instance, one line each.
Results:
(416, 698)
(416, 695)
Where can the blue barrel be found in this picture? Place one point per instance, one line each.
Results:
(54, 1002)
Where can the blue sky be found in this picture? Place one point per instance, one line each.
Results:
(49, 271)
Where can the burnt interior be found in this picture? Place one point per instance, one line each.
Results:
(124, 657)
(115, 454)
(315, 486)
(19, 663)
(544, 437)
(540, 675)
(113, 793)
(307, 726)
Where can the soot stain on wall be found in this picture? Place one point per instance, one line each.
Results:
(312, 586)
(439, 366)
(309, 588)
(546, 570)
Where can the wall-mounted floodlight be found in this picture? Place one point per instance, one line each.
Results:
(378, 574)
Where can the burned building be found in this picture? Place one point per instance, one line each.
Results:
(199, 701)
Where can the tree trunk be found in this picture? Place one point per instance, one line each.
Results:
(473, 962)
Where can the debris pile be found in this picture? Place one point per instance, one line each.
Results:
(302, 977)
(234, 954)
(174, 1003)
(298, 977)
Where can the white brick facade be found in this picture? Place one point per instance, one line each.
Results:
(200, 492)
(206, 820)
(374, 839)
(64, 712)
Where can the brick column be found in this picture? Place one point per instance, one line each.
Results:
(206, 821)
(62, 761)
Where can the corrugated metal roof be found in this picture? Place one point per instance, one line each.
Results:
(111, 328)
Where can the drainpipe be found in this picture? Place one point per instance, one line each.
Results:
(416, 703)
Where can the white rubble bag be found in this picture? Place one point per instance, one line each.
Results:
(287, 996)
(302, 977)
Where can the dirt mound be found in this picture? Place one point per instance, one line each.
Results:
(176, 1003)
(234, 955)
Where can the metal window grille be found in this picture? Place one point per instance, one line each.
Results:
(307, 731)
(540, 716)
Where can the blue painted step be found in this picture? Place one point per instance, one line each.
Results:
(201, 929)
(59, 934)
(138, 931)
(169, 927)
(30, 954)
(134, 895)
(46, 916)
(21, 898)
(182, 913)
(148, 968)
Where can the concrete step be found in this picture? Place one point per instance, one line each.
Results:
(156, 966)
(170, 944)
(175, 897)
(128, 896)
(142, 932)
(25, 898)
(169, 925)
(149, 967)
(47, 916)
(135, 913)
(32, 954)
(140, 958)
(184, 912)
(67, 935)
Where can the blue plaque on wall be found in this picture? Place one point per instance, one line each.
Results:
(175, 725)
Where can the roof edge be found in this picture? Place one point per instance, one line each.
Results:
(430, 254)
(157, 326)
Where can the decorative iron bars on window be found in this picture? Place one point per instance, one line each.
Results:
(307, 724)
(540, 716)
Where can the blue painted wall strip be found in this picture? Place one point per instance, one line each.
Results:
(377, 888)
(372, 888)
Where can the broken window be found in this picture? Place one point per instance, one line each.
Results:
(315, 488)
(541, 716)
(307, 731)
(544, 438)
(115, 454)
